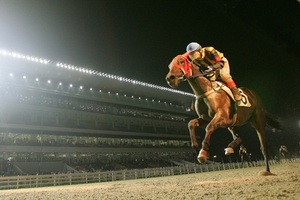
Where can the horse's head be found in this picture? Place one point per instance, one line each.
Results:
(179, 70)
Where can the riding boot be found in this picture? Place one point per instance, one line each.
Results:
(237, 96)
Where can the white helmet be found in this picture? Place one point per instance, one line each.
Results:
(193, 46)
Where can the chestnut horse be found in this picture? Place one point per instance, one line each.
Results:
(215, 108)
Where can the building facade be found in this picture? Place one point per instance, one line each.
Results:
(51, 111)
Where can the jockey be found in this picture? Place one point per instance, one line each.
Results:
(213, 60)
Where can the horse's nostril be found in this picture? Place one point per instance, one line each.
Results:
(171, 77)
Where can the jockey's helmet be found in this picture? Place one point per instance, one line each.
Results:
(193, 46)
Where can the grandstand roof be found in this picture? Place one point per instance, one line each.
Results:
(29, 67)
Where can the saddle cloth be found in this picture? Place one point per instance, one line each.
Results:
(244, 102)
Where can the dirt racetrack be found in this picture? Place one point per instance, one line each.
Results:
(229, 184)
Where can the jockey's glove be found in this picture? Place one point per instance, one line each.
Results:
(209, 70)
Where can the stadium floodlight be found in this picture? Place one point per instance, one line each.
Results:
(60, 83)
(49, 81)
(88, 71)
(11, 74)
(15, 55)
(3, 52)
(81, 87)
(21, 56)
(91, 89)
(24, 77)
(36, 79)
(44, 61)
(71, 85)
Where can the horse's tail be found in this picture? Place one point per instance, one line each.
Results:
(275, 124)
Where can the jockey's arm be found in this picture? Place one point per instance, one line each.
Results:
(217, 66)
(216, 57)
(216, 54)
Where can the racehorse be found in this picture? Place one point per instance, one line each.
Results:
(216, 108)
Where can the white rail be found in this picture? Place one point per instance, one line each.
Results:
(16, 182)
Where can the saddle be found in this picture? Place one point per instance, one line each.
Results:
(244, 102)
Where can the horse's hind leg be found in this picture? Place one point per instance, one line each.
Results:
(260, 124)
(236, 141)
(263, 146)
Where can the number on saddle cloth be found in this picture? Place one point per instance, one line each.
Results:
(244, 102)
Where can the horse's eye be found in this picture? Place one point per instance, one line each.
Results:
(180, 61)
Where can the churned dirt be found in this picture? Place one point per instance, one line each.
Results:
(239, 184)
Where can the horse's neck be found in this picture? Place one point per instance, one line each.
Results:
(201, 85)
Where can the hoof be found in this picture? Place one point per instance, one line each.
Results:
(202, 159)
(203, 156)
(228, 151)
(266, 173)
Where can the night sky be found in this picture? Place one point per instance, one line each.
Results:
(138, 39)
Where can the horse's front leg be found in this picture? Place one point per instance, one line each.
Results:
(217, 122)
(192, 130)
(204, 152)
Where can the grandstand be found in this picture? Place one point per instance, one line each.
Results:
(77, 119)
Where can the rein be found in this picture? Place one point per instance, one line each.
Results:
(197, 75)
(206, 94)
